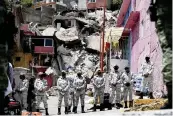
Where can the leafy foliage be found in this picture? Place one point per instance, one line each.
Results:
(26, 2)
(164, 28)
(117, 1)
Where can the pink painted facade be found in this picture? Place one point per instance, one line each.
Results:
(145, 42)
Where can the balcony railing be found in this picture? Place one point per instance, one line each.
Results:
(44, 50)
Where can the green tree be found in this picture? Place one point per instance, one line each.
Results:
(164, 28)
(117, 2)
(26, 2)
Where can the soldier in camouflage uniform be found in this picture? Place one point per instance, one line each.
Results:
(63, 85)
(115, 83)
(71, 100)
(79, 85)
(99, 86)
(147, 70)
(127, 79)
(23, 91)
(41, 86)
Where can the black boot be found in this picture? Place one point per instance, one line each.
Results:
(102, 107)
(75, 110)
(69, 109)
(110, 106)
(94, 108)
(131, 103)
(66, 110)
(125, 102)
(46, 109)
(141, 95)
(119, 105)
(113, 105)
(38, 110)
(151, 95)
(82, 107)
(59, 111)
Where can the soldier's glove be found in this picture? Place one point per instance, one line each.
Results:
(127, 84)
(114, 85)
(78, 89)
(146, 75)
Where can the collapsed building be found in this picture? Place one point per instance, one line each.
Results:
(66, 40)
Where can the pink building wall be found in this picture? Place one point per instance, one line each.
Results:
(145, 42)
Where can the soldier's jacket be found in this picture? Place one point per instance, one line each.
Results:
(79, 83)
(24, 85)
(127, 78)
(147, 68)
(115, 78)
(63, 84)
(40, 84)
(71, 78)
(98, 82)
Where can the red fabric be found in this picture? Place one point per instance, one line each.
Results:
(48, 77)
(107, 46)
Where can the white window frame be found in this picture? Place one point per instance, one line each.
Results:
(45, 42)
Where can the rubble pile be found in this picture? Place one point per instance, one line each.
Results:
(98, 16)
(70, 34)
(148, 104)
(49, 31)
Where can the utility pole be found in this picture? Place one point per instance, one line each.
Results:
(103, 35)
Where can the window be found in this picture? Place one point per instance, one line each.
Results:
(38, 42)
(18, 59)
(91, 0)
(48, 42)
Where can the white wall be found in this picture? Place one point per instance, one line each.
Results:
(82, 5)
(121, 63)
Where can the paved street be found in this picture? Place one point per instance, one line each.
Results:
(53, 101)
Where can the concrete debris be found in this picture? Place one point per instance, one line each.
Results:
(93, 42)
(70, 34)
(148, 104)
(98, 16)
(49, 31)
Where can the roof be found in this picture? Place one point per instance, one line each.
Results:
(26, 30)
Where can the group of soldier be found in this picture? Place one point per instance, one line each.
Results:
(72, 85)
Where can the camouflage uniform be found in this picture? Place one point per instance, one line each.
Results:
(127, 79)
(63, 85)
(99, 86)
(71, 100)
(115, 83)
(40, 86)
(147, 68)
(24, 93)
(79, 85)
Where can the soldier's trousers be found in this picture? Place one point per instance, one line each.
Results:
(128, 93)
(71, 100)
(60, 97)
(116, 89)
(39, 99)
(147, 82)
(98, 93)
(23, 98)
(80, 94)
